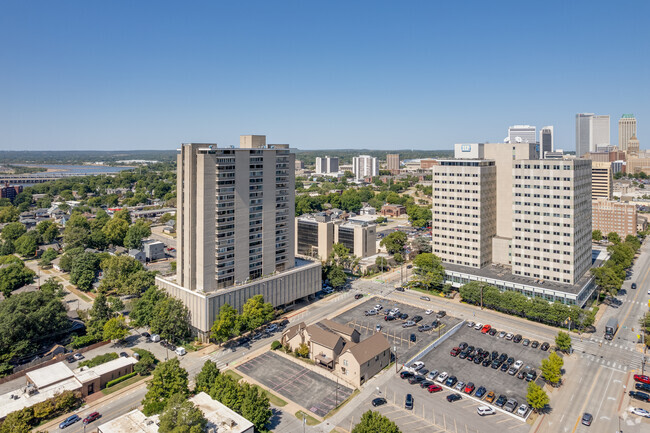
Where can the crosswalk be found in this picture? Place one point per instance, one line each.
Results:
(214, 357)
(627, 357)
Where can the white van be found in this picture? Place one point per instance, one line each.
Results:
(180, 351)
(155, 338)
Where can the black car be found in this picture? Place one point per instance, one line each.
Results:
(492, 332)
(642, 386)
(463, 354)
(453, 397)
(408, 402)
(478, 360)
(462, 346)
(526, 342)
(545, 346)
(405, 374)
(523, 372)
(403, 316)
(634, 285)
(587, 418)
(531, 375)
(503, 357)
(451, 381)
(416, 319)
(441, 314)
(495, 354)
(413, 338)
(423, 371)
(486, 362)
(399, 289)
(534, 344)
(389, 317)
(378, 401)
(501, 400)
(505, 366)
(496, 363)
(435, 324)
(426, 384)
(640, 395)
(359, 296)
(480, 392)
(416, 379)
(510, 360)
(517, 338)
(70, 359)
(145, 335)
(124, 355)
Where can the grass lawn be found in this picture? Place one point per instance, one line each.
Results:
(274, 399)
(127, 382)
(234, 375)
(310, 419)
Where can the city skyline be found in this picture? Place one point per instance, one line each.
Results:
(366, 75)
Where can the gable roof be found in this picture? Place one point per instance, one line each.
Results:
(337, 327)
(294, 330)
(368, 348)
(322, 337)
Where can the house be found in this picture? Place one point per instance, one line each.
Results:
(337, 348)
(153, 250)
(393, 210)
(138, 255)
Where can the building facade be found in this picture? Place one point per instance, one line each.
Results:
(612, 216)
(592, 130)
(602, 180)
(365, 166)
(317, 233)
(522, 134)
(392, 162)
(545, 141)
(626, 129)
(235, 227)
(327, 165)
(10, 191)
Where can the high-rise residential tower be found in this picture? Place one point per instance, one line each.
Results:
(522, 134)
(327, 165)
(365, 166)
(392, 162)
(592, 131)
(545, 141)
(626, 129)
(235, 229)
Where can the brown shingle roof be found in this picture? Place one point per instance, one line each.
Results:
(322, 337)
(369, 348)
(293, 330)
(337, 327)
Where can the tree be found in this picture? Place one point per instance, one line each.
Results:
(614, 238)
(48, 231)
(77, 232)
(52, 288)
(394, 242)
(536, 397)
(13, 231)
(429, 270)
(136, 233)
(146, 364)
(26, 245)
(607, 279)
(8, 214)
(226, 324)
(171, 320)
(256, 312)
(381, 263)
(168, 379)
(14, 275)
(122, 275)
(336, 276)
(181, 416)
(597, 235)
(115, 328)
(374, 422)
(302, 350)
(84, 268)
(256, 407)
(552, 368)
(206, 378)
(7, 248)
(340, 255)
(100, 313)
(563, 341)
(46, 258)
(422, 244)
(115, 230)
(143, 308)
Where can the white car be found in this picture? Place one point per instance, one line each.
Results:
(518, 364)
(522, 410)
(640, 412)
(428, 312)
(478, 326)
(417, 365)
(442, 377)
(459, 386)
(470, 324)
(377, 327)
(509, 336)
(485, 410)
(378, 307)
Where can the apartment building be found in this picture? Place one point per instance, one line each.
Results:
(365, 166)
(327, 165)
(602, 180)
(552, 219)
(464, 211)
(612, 216)
(392, 163)
(235, 228)
(317, 233)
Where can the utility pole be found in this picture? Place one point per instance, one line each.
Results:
(395, 352)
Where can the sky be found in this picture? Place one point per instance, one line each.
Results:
(86, 75)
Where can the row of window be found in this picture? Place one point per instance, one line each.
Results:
(544, 277)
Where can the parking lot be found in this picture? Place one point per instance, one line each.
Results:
(492, 379)
(397, 336)
(295, 382)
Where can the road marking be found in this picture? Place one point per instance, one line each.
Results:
(586, 400)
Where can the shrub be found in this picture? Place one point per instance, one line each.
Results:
(99, 359)
(86, 340)
(276, 345)
(120, 379)
(146, 364)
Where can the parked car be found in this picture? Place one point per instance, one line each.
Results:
(405, 374)
(145, 335)
(408, 324)
(451, 381)
(441, 314)
(180, 351)
(517, 338)
(642, 386)
(526, 342)
(377, 327)
(413, 338)
(428, 312)
(442, 377)
(509, 336)
(155, 338)
(426, 384)
(416, 379)
(523, 409)
(502, 334)
(403, 316)
(534, 344)
(124, 355)
(455, 351)
(469, 388)
(69, 421)
(417, 365)
(371, 312)
(531, 375)
(492, 332)
(511, 405)
(485, 410)
(480, 392)
(639, 395)
(425, 298)
(416, 319)
(92, 417)
(633, 285)
(544, 346)
(501, 400)
(379, 307)
(470, 324)
(78, 356)
(478, 326)
(378, 401)
(490, 397)
(453, 397)
(432, 374)
(389, 317)
(641, 412)
(358, 296)
(512, 371)
(408, 402)
(486, 329)
(518, 364)
(70, 359)
(399, 289)
(460, 386)
(423, 328)
(434, 388)
(641, 378)
(587, 418)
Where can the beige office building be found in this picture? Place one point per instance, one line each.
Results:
(602, 180)
(464, 211)
(317, 233)
(626, 129)
(235, 229)
(392, 162)
(612, 216)
(552, 219)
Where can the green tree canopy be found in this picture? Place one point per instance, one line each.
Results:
(597, 235)
(171, 320)
(47, 257)
(613, 237)
(83, 270)
(181, 416)
(552, 368)
(115, 328)
(256, 312)
(26, 245)
(136, 232)
(336, 276)
(48, 231)
(394, 242)
(226, 324)
(374, 422)
(143, 308)
(563, 341)
(13, 231)
(536, 397)
(429, 270)
(14, 275)
(115, 230)
(169, 378)
(206, 378)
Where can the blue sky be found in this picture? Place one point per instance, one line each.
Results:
(317, 75)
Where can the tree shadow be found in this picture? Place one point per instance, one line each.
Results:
(276, 418)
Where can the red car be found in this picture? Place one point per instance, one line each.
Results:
(641, 378)
(92, 417)
(486, 329)
(434, 388)
(469, 388)
(455, 351)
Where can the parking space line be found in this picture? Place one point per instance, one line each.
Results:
(503, 420)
